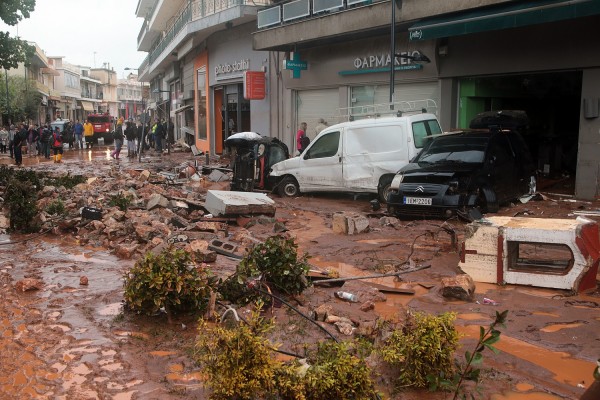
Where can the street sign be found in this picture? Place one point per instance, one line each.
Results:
(254, 85)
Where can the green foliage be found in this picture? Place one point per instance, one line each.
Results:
(336, 373)
(455, 382)
(56, 207)
(166, 280)
(14, 50)
(240, 365)
(24, 99)
(275, 264)
(120, 200)
(423, 347)
(68, 181)
(238, 361)
(21, 200)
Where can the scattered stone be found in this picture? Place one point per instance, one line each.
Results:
(389, 221)
(157, 200)
(126, 250)
(459, 287)
(320, 313)
(179, 222)
(144, 175)
(27, 284)
(83, 281)
(279, 227)
(367, 306)
(217, 176)
(350, 224)
(204, 226)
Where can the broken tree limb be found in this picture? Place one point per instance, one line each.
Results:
(354, 278)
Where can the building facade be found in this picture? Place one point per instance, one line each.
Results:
(538, 56)
(198, 54)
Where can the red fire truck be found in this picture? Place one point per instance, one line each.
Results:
(103, 126)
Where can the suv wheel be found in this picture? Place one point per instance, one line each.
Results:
(384, 187)
(487, 201)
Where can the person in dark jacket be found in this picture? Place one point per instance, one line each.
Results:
(20, 140)
(57, 145)
(130, 135)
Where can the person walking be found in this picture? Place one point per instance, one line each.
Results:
(46, 141)
(57, 145)
(3, 139)
(118, 138)
(299, 135)
(32, 138)
(130, 135)
(11, 138)
(159, 134)
(78, 130)
(19, 140)
(88, 134)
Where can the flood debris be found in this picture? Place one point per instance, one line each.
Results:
(27, 284)
(459, 287)
(219, 202)
(552, 253)
(350, 223)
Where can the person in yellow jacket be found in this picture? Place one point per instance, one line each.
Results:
(88, 134)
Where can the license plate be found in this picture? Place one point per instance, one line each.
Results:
(421, 201)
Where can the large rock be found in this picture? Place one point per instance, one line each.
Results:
(459, 287)
(350, 224)
(157, 200)
(124, 250)
(28, 284)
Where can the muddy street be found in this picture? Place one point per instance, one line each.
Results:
(72, 340)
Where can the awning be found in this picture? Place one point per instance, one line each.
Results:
(182, 108)
(506, 16)
(49, 71)
(87, 105)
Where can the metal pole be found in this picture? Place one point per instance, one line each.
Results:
(392, 54)
(144, 116)
(169, 123)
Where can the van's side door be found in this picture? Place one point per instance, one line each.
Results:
(321, 167)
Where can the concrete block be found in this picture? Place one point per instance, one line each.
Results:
(157, 200)
(221, 202)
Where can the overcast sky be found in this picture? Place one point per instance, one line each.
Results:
(86, 32)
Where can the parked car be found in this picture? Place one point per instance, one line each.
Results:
(357, 156)
(458, 171)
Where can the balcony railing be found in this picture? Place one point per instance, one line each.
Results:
(193, 11)
(304, 9)
(143, 30)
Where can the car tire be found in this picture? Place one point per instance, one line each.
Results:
(288, 187)
(487, 201)
(384, 187)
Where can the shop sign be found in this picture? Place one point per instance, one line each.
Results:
(295, 65)
(381, 63)
(235, 67)
(254, 85)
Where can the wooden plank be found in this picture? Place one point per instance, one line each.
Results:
(389, 289)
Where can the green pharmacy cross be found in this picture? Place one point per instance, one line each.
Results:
(296, 65)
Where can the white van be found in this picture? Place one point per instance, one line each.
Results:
(358, 156)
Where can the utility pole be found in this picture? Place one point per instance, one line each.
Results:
(7, 99)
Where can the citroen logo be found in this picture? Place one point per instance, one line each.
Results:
(420, 189)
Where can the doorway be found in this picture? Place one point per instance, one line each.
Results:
(234, 115)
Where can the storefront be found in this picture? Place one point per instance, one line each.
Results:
(338, 81)
(543, 69)
(230, 55)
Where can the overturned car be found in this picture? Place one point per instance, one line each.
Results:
(253, 156)
(455, 172)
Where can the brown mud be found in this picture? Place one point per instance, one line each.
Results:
(73, 341)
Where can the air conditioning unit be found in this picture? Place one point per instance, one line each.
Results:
(188, 94)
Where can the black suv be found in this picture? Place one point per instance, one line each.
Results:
(458, 171)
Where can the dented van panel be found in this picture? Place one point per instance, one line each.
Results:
(354, 156)
(551, 253)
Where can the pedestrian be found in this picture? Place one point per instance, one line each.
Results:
(321, 124)
(88, 134)
(11, 138)
(3, 139)
(19, 140)
(130, 135)
(140, 139)
(171, 133)
(46, 141)
(32, 138)
(159, 135)
(118, 138)
(299, 137)
(78, 130)
(57, 145)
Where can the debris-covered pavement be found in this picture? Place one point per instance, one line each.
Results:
(64, 333)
